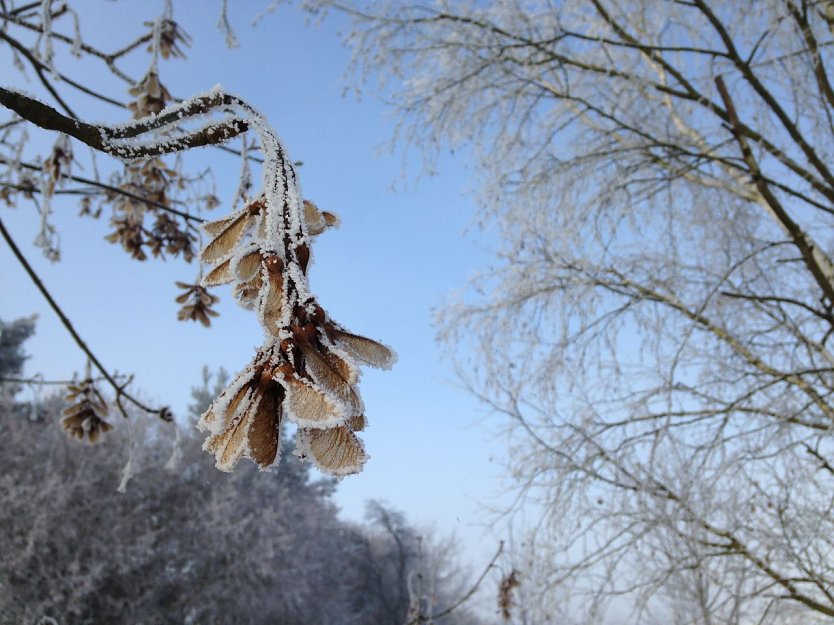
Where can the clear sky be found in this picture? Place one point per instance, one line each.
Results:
(397, 254)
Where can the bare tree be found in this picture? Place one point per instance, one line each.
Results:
(656, 327)
(307, 370)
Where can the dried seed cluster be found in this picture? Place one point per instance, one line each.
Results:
(196, 303)
(171, 35)
(151, 96)
(307, 369)
(150, 180)
(84, 417)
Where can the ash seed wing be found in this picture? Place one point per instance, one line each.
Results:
(223, 410)
(248, 265)
(264, 432)
(330, 219)
(365, 350)
(228, 446)
(357, 423)
(213, 228)
(270, 303)
(309, 407)
(350, 373)
(222, 274)
(313, 219)
(337, 451)
(329, 379)
(225, 240)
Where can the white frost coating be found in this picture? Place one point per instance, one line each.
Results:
(45, 36)
(245, 178)
(226, 28)
(76, 38)
(220, 406)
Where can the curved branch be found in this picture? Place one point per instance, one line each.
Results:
(164, 413)
(98, 137)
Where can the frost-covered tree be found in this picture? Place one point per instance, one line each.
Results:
(12, 357)
(184, 543)
(307, 369)
(656, 329)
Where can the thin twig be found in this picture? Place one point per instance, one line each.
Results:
(38, 381)
(468, 595)
(111, 188)
(163, 412)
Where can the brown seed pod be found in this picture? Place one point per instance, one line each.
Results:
(274, 265)
(253, 208)
(304, 334)
(284, 371)
(318, 315)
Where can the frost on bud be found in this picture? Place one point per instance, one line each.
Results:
(84, 417)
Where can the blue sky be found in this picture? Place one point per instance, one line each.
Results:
(396, 256)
